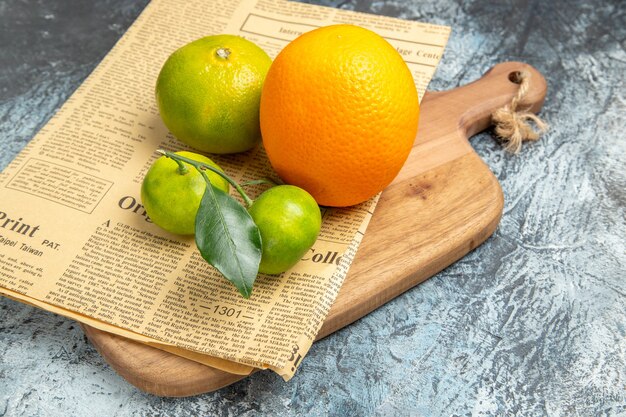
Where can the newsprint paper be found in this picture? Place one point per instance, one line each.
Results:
(75, 239)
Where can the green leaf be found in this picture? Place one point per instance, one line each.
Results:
(228, 238)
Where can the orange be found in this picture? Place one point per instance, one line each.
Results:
(208, 93)
(339, 114)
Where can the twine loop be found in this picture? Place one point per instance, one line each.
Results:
(513, 126)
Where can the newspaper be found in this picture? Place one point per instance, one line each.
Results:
(75, 239)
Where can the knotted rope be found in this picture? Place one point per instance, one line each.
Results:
(513, 125)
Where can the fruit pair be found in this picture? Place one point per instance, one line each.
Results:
(338, 109)
(287, 217)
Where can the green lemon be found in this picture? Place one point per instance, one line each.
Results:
(209, 92)
(289, 221)
(172, 199)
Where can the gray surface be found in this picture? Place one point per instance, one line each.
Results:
(531, 323)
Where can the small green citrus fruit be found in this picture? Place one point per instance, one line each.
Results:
(289, 221)
(171, 198)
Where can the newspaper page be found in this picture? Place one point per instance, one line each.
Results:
(76, 240)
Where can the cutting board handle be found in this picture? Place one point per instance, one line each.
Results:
(473, 104)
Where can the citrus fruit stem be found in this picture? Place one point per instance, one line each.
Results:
(223, 53)
(266, 181)
(201, 167)
(182, 169)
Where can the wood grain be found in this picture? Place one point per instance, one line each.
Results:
(444, 203)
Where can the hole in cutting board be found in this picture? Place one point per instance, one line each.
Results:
(515, 77)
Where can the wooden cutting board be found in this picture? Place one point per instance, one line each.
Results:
(444, 203)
